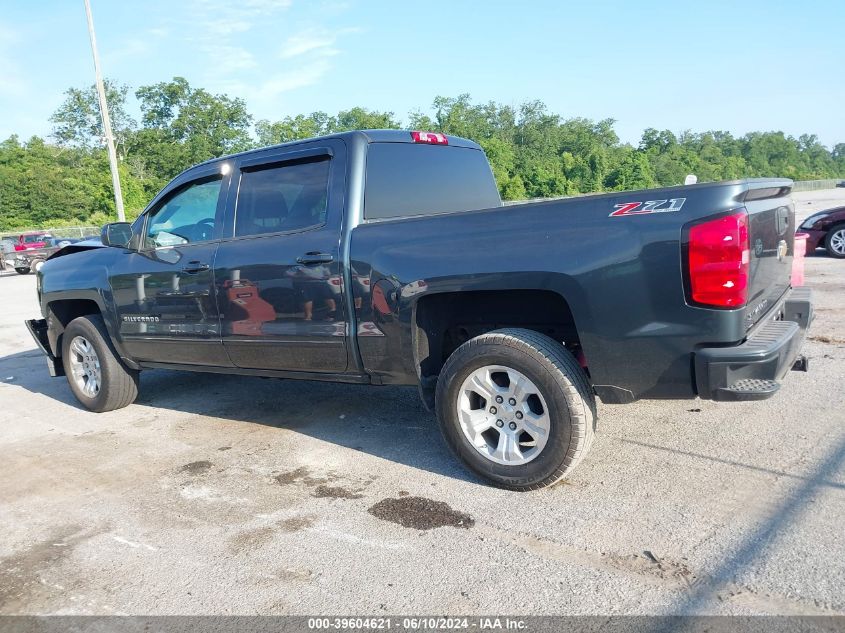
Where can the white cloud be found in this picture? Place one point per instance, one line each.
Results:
(334, 7)
(130, 48)
(265, 92)
(306, 75)
(226, 26)
(222, 31)
(318, 41)
(267, 6)
(306, 42)
(229, 18)
(140, 45)
(228, 59)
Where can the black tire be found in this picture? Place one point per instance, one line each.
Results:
(118, 383)
(838, 230)
(22, 271)
(563, 385)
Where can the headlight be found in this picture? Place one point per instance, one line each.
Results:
(809, 222)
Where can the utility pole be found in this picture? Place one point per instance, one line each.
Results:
(104, 112)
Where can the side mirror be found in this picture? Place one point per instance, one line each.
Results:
(116, 234)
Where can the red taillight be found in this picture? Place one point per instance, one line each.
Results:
(432, 138)
(718, 261)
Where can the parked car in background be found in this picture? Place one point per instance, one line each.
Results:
(7, 252)
(827, 229)
(60, 241)
(28, 241)
(31, 260)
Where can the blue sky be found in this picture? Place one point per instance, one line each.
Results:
(738, 66)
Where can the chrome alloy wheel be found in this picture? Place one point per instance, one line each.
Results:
(85, 366)
(503, 415)
(837, 242)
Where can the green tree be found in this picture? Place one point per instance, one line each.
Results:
(633, 172)
(362, 119)
(291, 128)
(189, 124)
(77, 122)
(533, 152)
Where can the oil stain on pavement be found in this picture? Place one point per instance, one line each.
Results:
(420, 513)
(336, 492)
(196, 468)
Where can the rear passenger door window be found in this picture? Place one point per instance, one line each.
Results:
(282, 198)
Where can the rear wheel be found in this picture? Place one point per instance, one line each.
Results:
(95, 373)
(516, 407)
(834, 241)
(21, 270)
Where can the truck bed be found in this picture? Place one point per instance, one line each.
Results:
(620, 275)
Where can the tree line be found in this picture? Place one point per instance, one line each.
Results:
(65, 180)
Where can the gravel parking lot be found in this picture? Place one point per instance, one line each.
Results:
(234, 495)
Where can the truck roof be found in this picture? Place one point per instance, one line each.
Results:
(370, 136)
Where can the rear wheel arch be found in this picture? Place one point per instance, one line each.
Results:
(442, 322)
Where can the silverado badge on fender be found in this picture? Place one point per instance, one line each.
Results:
(651, 206)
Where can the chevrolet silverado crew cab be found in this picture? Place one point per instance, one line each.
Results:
(387, 258)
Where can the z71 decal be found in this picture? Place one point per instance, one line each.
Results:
(652, 206)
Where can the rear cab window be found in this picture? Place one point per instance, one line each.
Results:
(412, 179)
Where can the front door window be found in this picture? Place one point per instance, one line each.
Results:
(186, 217)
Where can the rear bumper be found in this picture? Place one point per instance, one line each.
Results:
(38, 329)
(753, 370)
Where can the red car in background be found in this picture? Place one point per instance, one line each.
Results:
(826, 228)
(28, 241)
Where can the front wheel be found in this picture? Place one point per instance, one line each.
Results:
(834, 242)
(21, 270)
(97, 376)
(516, 407)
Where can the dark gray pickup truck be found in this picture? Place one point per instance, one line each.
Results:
(387, 258)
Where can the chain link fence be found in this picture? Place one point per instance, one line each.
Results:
(69, 232)
(8, 239)
(815, 185)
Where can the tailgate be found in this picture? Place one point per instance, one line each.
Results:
(771, 230)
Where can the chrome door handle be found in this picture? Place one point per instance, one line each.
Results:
(194, 267)
(310, 259)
